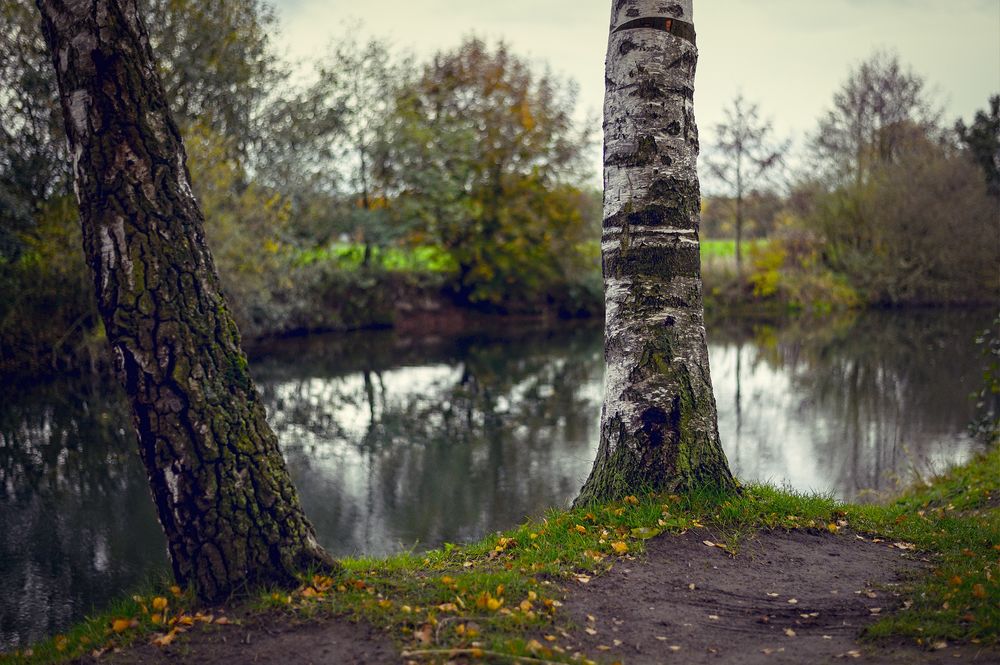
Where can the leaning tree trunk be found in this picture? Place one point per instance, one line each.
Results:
(659, 427)
(224, 497)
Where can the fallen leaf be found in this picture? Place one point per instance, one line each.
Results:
(582, 579)
(121, 625)
(661, 638)
(590, 631)
(617, 643)
(789, 632)
(645, 533)
(674, 647)
(793, 601)
(550, 638)
(631, 500)
(603, 647)
(938, 646)
(619, 547)
(713, 617)
(222, 621)
(773, 595)
(159, 603)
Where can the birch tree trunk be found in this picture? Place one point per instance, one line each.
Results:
(224, 497)
(659, 426)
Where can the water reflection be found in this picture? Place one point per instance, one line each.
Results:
(857, 407)
(398, 443)
(477, 436)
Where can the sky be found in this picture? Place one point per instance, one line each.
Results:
(789, 56)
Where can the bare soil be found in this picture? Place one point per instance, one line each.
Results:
(788, 597)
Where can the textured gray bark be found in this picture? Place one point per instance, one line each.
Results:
(223, 495)
(659, 426)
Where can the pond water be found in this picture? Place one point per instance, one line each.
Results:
(403, 443)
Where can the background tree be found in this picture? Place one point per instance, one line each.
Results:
(659, 425)
(744, 154)
(875, 111)
(900, 212)
(982, 140)
(486, 158)
(216, 64)
(223, 495)
(363, 82)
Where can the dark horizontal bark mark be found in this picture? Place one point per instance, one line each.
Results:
(675, 217)
(681, 261)
(680, 29)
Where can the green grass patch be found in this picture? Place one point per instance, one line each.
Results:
(350, 256)
(721, 248)
(492, 596)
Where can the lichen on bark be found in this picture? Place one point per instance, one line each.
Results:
(659, 428)
(227, 505)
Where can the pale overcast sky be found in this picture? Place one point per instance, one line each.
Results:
(788, 55)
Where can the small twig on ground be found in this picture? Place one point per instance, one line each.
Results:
(479, 653)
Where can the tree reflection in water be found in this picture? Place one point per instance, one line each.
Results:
(856, 406)
(471, 439)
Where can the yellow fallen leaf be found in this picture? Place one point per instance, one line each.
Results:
(631, 500)
(493, 604)
(580, 528)
(165, 640)
(645, 533)
(159, 603)
(156, 618)
(619, 547)
(789, 632)
(120, 625)
(176, 590)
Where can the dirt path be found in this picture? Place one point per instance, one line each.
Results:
(789, 597)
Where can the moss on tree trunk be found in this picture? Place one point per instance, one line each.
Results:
(659, 427)
(223, 495)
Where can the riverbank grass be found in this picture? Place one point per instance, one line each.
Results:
(500, 597)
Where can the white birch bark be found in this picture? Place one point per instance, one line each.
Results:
(659, 426)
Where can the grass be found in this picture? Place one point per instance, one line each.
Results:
(725, 248)
(489, 597)
(349, 256)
